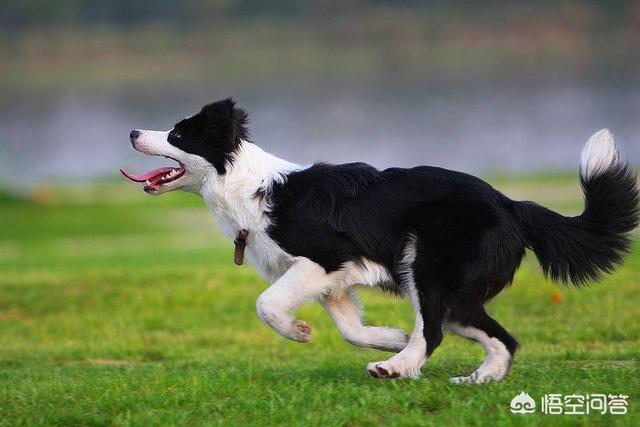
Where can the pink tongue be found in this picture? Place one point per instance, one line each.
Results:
(146, 176)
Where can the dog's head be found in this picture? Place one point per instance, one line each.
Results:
(202, 144)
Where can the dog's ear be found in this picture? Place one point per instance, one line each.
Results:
(225, 123)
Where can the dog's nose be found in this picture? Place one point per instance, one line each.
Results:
(134, 134)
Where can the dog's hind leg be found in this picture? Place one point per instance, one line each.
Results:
(499, 346)
(426, 337)
(430, 310)
(345, 311)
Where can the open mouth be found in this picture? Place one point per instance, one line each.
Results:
(154, 179)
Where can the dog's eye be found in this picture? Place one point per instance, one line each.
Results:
(176, 135)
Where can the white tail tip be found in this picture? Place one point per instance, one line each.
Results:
(599, 154)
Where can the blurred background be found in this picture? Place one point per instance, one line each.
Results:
(505, 87)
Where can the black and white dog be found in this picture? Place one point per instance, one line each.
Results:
(445, 240)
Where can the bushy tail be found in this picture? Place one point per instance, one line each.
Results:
(581, 249)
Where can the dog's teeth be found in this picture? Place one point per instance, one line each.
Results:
(147, 182)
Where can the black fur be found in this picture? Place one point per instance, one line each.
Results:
(580, 249)
(470, 237)
(353, 211)
(214, 133)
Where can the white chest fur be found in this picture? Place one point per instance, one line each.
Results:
(261, 251)
(232, 198)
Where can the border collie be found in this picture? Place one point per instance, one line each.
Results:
(445, 240)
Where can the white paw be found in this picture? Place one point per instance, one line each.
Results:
(474, 378)
(484, 374)
(494, 367)
(300, 331)
(392, 369)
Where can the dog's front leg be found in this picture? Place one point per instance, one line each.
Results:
(346, 313)
(303, 281)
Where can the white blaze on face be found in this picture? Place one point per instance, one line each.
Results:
(188, 176)
(153, 142)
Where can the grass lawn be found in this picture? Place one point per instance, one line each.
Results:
(120, 309)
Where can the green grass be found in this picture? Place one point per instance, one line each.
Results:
(119, 309)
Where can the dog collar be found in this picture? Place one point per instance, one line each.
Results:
(240, 242)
